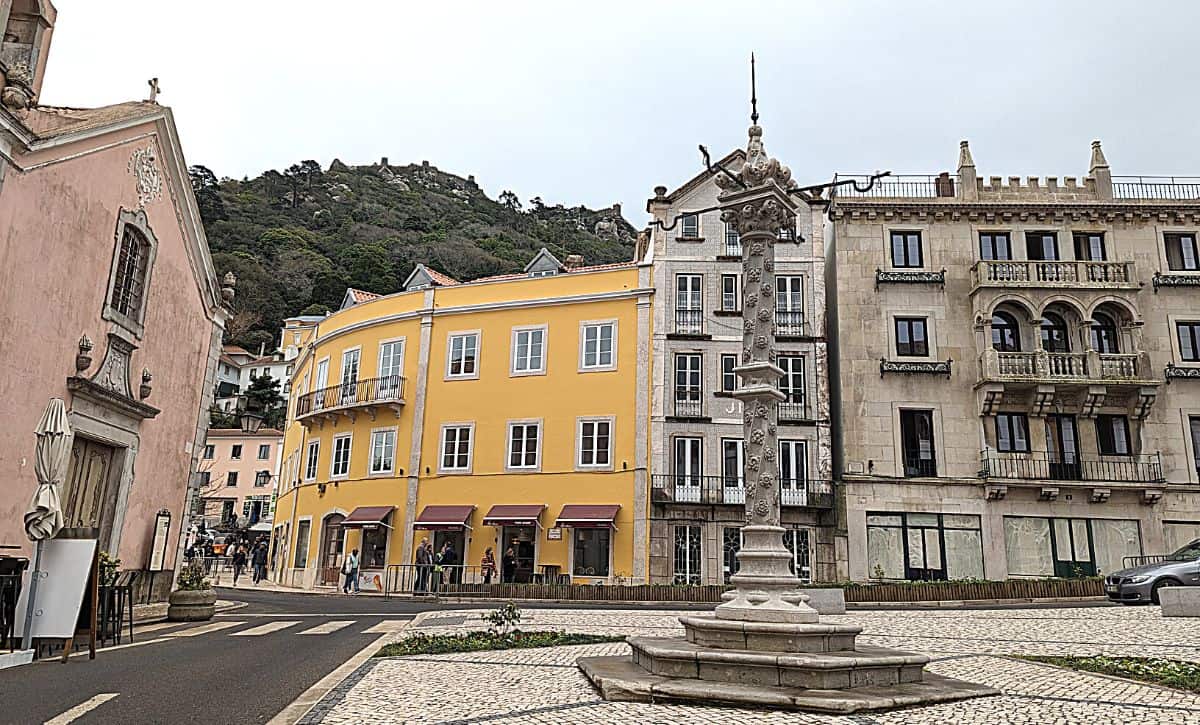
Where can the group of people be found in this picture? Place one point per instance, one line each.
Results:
(508, 565)
(256, 556)
(433, 569)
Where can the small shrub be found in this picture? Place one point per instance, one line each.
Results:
(192, 578)
(503, 619)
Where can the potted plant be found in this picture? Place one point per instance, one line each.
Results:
(195, 600)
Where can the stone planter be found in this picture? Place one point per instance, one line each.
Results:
(195, 605)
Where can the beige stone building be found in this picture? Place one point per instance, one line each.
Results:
(1015, 366)
(697, 493)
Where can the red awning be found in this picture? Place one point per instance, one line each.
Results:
(588, 516)
(441, 518)
(514, 515)
(367, 517)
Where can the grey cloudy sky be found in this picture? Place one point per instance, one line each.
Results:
(599, 102)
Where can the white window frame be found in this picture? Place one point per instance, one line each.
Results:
(391, 469)
(798, 459)
(683, 218)
(736, 378)
(793, 280)
(579, 440)
(736, 300)
(599, 366)
(389, 344)
(470, 427)
(517, 332)
(508, 447)
(333, 456)
(794, 360)
(312, 457)
(261, 457)
(350, 354)
(450, 338)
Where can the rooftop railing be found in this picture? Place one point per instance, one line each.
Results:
(907, 186)
(1167, 188)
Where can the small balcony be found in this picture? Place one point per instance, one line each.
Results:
(689, 323)
(732, 248)
(789, 323)
(688, 403)
(730, 490)
(1053, 274)
(348, 399)
(793, 411)
(1053, 466)
(1088, 367)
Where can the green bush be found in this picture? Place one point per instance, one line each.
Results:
(1155, 670)
(432, 644)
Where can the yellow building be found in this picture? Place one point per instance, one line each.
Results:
(508, 412)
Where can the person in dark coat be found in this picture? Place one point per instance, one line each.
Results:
(449, 563)
(508, 565)
(239, 562)
(259, 561)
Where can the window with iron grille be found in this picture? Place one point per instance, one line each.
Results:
(129, 284)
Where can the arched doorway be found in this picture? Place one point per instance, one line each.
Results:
(332, 542)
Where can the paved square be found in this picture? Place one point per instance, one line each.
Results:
(544, 686)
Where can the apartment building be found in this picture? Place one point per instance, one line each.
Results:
(237, 477)
(506, 412)
(1014, 365)
(697, 494)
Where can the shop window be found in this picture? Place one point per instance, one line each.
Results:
(591, 552)
(924, 546)
(302, 530)
(373, 553)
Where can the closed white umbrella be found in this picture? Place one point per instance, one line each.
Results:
(44, 517)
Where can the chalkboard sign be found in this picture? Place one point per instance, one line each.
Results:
(67, 592)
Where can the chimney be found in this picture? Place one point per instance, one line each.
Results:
(262, 349)
(966, 173)
(384, 162)
(1100, 173)
(616, 207)
(574, 261)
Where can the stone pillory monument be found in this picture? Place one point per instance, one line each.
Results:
(765, 645)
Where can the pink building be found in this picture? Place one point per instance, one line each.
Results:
(109, 301)
(237, 477)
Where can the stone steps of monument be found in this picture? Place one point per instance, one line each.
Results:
(779, 637)
(862, 667)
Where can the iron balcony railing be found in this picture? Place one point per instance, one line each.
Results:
(789, 323)
(1053, 466)
(689, 403)
(371, 391)
(1156, 187)
(1040, 273)
(710, 490)
(1082, 366)
(733, 247)
(905, 186)
(916, 466)
(791, 410)
(689, 322)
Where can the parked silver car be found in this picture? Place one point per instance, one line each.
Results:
(1140, 584)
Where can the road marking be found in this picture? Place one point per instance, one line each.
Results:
(143, 629)
(294, 712)
(387, 626)
(329, 627)
(82, 709)
(264, 629)
(205, 629)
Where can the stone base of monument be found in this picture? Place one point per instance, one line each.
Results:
(796, 666)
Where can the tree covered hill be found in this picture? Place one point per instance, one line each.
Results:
(297, 239)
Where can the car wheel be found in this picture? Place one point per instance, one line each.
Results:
(1159, 585)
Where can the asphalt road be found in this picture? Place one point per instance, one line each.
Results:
(208, 678)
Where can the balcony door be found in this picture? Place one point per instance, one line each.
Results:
(1062, 448)
(792, 386)
(1042, 246)
(687, 385)
(1072, 548)
(322, 381)
(689, 468)
(349, 376)
(916, 440)
(789, 305)
(733, 466)
(793, 473)
(689, 304)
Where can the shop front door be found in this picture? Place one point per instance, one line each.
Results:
(521, 539)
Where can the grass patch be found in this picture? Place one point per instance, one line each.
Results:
(1169, 673)
(433, 644)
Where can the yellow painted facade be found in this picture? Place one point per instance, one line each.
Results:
(558, 400)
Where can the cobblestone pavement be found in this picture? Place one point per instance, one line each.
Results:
(544, 686)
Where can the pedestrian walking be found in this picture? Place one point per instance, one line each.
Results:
(239, 562)
(424, 566)
(508, 565)
(449, 562)
(488, 566)
(259, 560)
(350, 569)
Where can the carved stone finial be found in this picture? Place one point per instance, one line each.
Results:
(228, 287)
(83, 359)
(144, 389)
(1098, 160)
(964, 155)
(759, 168)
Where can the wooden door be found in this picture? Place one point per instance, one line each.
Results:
(86, 498)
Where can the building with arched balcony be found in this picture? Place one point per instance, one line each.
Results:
(1014, 372)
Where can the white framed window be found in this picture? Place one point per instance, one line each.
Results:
(793, 472)
(529, 350)
(729, 379)
(339, 463)
(350, 360)
(457, 440)
(462, 355)
(383, 451)
(594, 448)
(264, 451)
(689, 226)
(391, 358)
(235, 453)
(321, 382)
(731, 299)
(524, 445)
(598, 345)
(310, 460)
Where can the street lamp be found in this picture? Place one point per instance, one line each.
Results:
(250, 419)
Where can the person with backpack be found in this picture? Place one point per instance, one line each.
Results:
(350, 569)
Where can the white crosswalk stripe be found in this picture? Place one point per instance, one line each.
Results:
(387, 626)
(264, 629)
(329, 627)
(204, 629)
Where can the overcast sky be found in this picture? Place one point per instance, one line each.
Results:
(599, 102)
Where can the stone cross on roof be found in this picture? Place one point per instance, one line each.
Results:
(154, 90)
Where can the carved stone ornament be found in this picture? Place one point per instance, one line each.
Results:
(143, 164)
(83, 359)
(113, 374)
(759, 167)
(915, 367)
(145, 388)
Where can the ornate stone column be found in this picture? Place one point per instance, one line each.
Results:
(756, 202)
